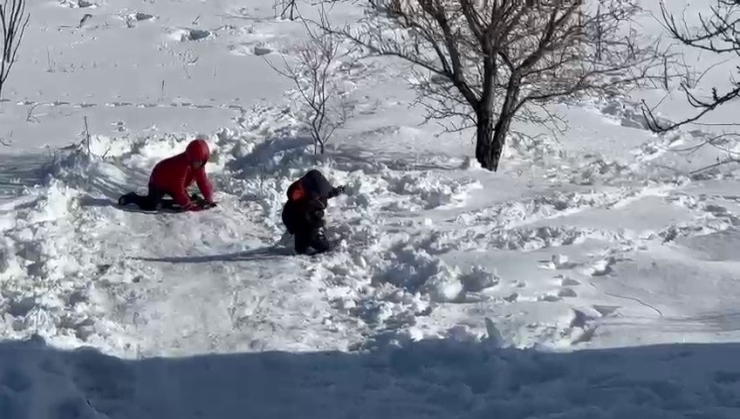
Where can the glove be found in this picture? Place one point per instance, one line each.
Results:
(337, 191)
(192, 206)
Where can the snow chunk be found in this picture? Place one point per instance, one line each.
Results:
(429, 191)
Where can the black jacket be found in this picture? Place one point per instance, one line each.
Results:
(307, 199)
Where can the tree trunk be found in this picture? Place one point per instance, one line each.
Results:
(484, 132)
(491, 138)
(498, 142)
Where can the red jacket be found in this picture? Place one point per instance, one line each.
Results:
(174, 175)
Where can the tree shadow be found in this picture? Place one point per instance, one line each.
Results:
(353, 157)
(431, 379)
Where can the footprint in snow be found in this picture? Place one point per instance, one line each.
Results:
(550, 298)
(15, 380)
(567, 293)
(601, 268)
(559, 295)
(605, 310)
(512, 298)
(245, 49)
(581, 327)
(74, 4)
(568, 282)
(583, 324)
(138, 16)
(185, 35)
(558, 262)
(717, 210)
(566, 289)
(727, 377)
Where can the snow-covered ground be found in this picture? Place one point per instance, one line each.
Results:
(593, 276)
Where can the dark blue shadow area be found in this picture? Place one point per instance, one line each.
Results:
(102, 179)
(428, 379)
(21, 170)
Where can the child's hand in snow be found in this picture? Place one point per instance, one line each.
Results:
(338, 191)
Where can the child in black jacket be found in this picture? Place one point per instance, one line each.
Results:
(303, 213)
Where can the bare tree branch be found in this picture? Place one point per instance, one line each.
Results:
(7, 142)
(718, 33)
(489, 63)
(288, 7)
(312, 76)
(13, 22)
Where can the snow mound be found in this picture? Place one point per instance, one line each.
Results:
(75, 4)
(540, 149)
(624, 113)
(48, 273)
(187, 35)
(429, 191)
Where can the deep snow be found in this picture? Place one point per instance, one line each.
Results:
(594, 276)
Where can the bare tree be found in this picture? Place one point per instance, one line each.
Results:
(13, 22)
(718, 33)
(489, 63)
(312, 76)
(287, 7)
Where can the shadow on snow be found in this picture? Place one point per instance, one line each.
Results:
(262, 253)
(425, 379)
(89, 201)
(21, 170)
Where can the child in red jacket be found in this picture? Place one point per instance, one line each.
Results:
(172, 176)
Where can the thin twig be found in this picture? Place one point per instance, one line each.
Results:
(13, 23)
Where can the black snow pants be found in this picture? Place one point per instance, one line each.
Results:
(155, 200)
(307, 225)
